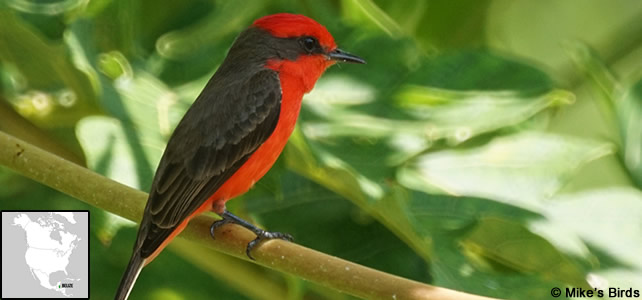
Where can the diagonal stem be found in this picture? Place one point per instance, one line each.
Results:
(287, 257)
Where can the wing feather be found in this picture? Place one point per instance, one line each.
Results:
(224, 126)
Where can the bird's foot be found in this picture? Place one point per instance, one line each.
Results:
(261, 235)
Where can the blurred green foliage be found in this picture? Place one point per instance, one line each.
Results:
(493, 147)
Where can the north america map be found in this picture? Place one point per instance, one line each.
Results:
(45, 254)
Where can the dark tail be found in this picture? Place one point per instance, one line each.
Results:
(129, 278)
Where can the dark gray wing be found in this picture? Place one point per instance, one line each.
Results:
(225, 125)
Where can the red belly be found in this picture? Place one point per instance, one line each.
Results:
(265, 156)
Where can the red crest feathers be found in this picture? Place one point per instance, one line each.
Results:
(290, 25)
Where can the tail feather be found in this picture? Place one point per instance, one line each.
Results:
(136, 264)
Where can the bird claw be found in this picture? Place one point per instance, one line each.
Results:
(261, 235)
(218, 224)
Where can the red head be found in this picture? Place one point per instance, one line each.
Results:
(289, 26)
(317, 49)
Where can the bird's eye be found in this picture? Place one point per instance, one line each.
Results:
(309, 44)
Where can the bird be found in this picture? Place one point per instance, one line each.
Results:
(234, 131)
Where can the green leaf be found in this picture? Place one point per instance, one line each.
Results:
(433, 24)
(229, 17)
(600, 78)
(450, 24)
(477, 70)
(629, 114)
(355, 136)
(509, 244)
(521, 169)
(146, 113)
(337, 176)
(147, 103)
(113, 149)
(105, 142)
(620, 104)
(608, 222)
(587, 215)
(463, 259)
(436, 114)
(491, 91)
(366, 10)
(44, 63)
(324, 220)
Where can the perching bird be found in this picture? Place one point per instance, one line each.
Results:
(234, 132)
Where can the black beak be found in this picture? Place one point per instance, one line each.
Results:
(342, 56)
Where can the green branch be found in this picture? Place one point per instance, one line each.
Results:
(291, 258)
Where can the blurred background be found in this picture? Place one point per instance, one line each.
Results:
(492, 147)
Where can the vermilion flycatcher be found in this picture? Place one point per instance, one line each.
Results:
(234, 132)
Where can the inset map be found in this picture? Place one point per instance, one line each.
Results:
(45, 254)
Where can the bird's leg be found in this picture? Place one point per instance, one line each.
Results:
(261, 235)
